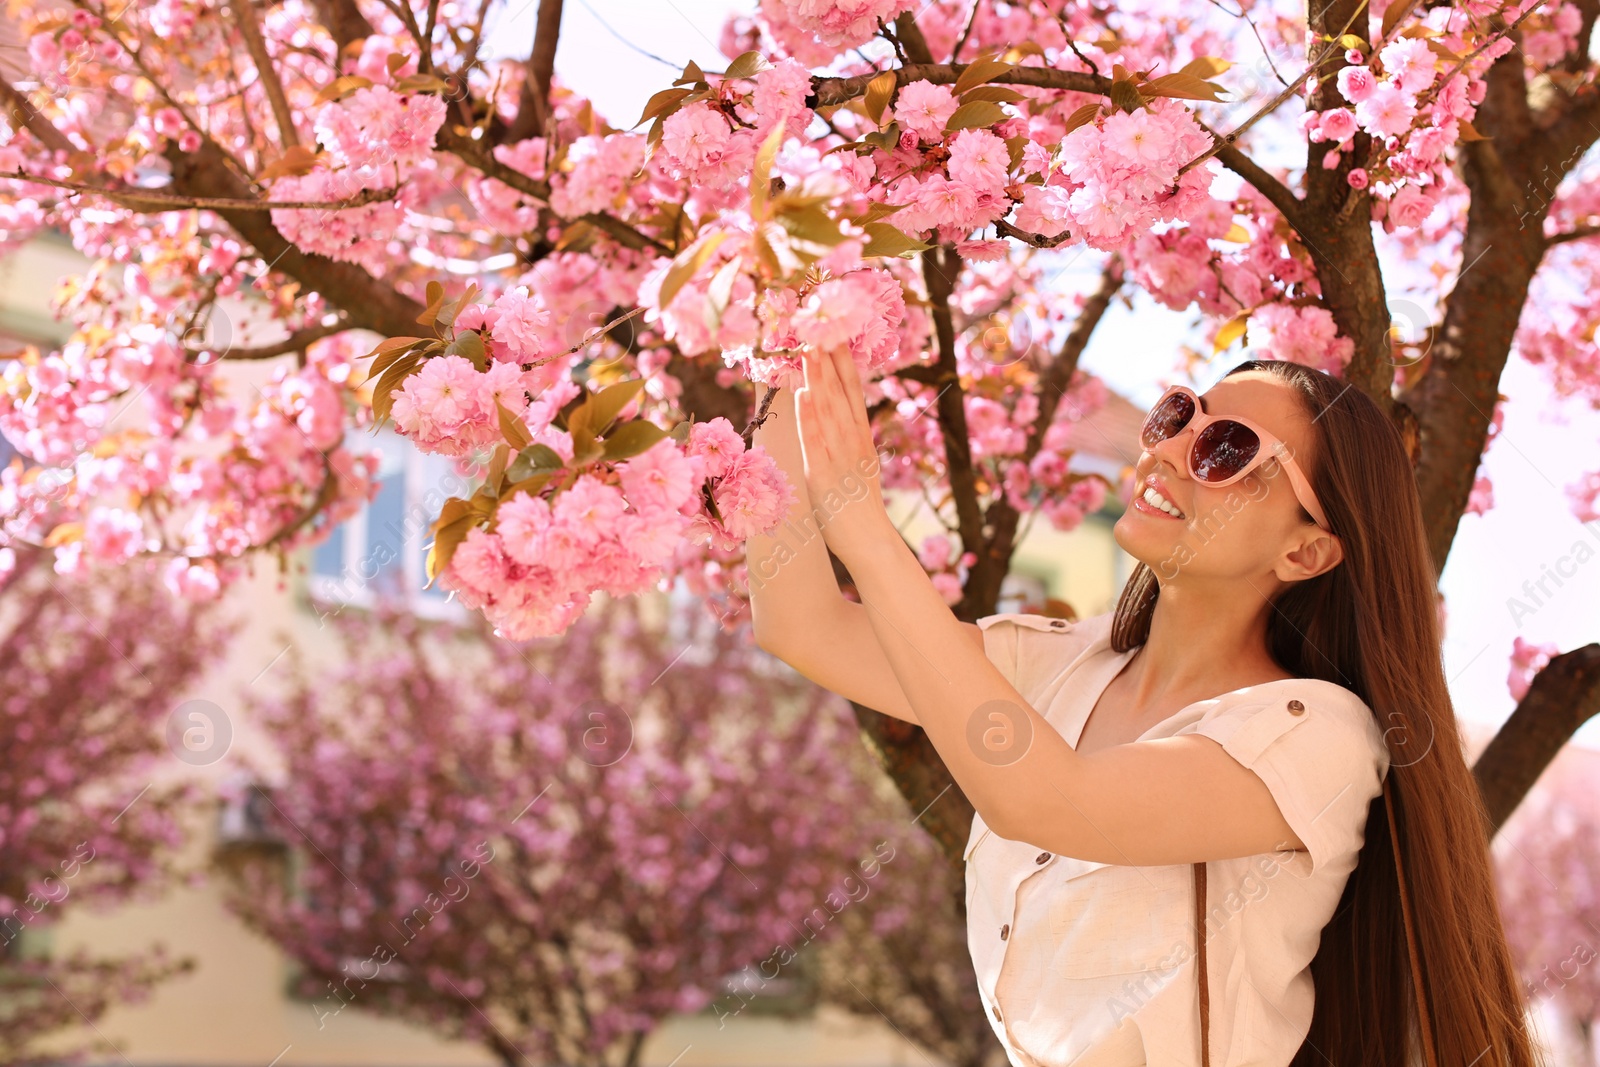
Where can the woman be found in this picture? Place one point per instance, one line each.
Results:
(1265, 703)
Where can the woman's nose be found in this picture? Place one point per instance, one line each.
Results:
(1174, 451)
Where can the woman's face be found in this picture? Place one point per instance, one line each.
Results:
(1241, 530)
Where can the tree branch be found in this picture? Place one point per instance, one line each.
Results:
(150, 200)
(983, 583)
(941, 266)
(1577, 233)
(293, 343)
(911, 39)
(244, 15)
(344, 21)
(1278, 194)
(1562, 697)
(826, 92)
(20, 112)
(368, 303)
(533, 108)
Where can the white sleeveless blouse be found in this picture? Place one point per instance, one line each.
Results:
(1093, 964)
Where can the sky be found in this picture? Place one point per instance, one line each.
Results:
(1490, 580)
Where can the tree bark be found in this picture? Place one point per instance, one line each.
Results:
(1562, 697)
(533, 107)
(343, 20)
(367, 302)
(1336, 226)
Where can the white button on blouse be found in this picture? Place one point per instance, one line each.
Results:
(1093, 964)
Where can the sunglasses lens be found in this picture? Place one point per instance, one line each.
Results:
(1166, 419)
(1223, 449)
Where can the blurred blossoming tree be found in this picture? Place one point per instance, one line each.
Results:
(590, 836)
(89, 813)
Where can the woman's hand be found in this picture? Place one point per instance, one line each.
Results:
(841, 463)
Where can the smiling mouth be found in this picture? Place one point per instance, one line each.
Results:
(1160, 503)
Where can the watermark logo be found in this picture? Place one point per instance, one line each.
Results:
(199, 732)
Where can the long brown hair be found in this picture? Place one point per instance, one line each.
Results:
(1371, 625)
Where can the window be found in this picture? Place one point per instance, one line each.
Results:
(1021, 592)
(381, 550)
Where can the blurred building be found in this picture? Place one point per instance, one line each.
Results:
(234, 1008)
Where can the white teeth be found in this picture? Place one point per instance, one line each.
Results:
(1156, 500)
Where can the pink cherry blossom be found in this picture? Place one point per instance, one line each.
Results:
(1302, 334)
(980, 160)
(1356, 84)
(1527, 660)
(924, 108)
(1385, 111)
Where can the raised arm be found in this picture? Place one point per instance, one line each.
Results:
(799, 613)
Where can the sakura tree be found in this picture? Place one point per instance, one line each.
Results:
(90, 814)
(591, 317)
(550, 847)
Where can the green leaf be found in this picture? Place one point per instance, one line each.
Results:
(1000, 94)
(1444, 53)
(1125, 97)
(662, 104)
(389, 351)
(446, 539)
(534, 461)
(632, 438)
(1230, 332)
(879, 91)
(512, 428)
(688, 261)
(1207, 67)
(720, 291)
(876, 210)
(761, 173)
(528, 485)
(393, 378)
(435, 298)
(979, 71)
(886, 138)
(975, 116)
(498, 458)
(469, 345)
(604, 406)
(886, 240)
(586, 449)
(1182, 87)
(748, 64)
(812, 224)
(420, 83)
(1081, 117)
(342, 87)
(692, 75)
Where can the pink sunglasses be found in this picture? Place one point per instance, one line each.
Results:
(1224, 449)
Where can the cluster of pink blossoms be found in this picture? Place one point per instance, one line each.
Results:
(535, 572)
(372, 137)
(1411, 115)
(614, 527)
(816, 31)
(1114, 177)
(1302, 334)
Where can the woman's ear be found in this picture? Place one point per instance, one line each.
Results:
(1315, 552)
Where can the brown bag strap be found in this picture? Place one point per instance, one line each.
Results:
(1200, 963)
(1425, 1025)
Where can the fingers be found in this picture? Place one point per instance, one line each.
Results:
(849, 374)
